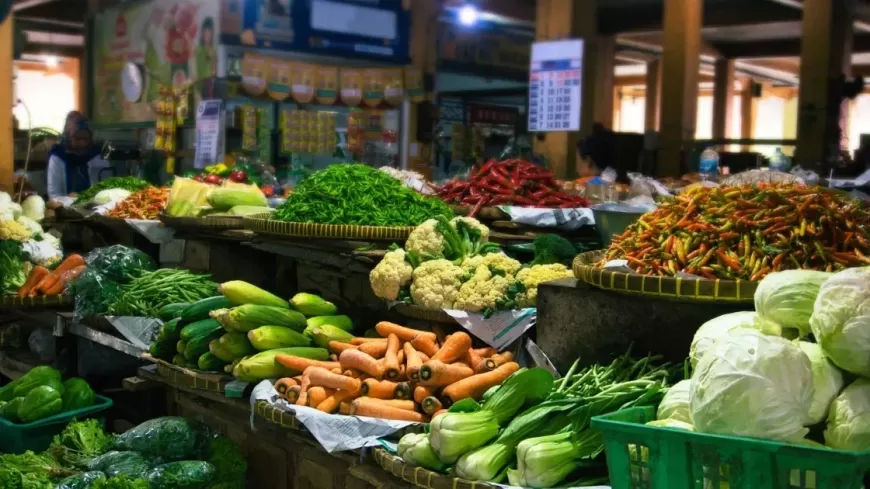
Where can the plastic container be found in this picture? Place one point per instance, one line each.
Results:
(612, 219)
(640, 456)
(780, 162)
(708, 166)
(37, 436)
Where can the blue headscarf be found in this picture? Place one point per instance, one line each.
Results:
(76, 162)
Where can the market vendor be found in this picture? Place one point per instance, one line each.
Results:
(75, 163)
(597, 152)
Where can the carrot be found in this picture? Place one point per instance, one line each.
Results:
(352, 373)
(439, 413)
(344, 408)
(70, 262)
(337, 371)
(473, 387)
(380, 389)
(46, 283)
(281, 385)
(473, 360)
(324, 378)
(413, 362)
(299, 364)
(400, 355)
(362, 341)
(360, 407)
(437, 373)
(302, 400)
(298, 379)
(391, 358)
(440, 334)
(452, 349)
(333, 357)
(498, 360)
(317, 394)
(60, 285)
(332, 402)
(407, 405)
(403, 391)
(421, 392)
(425, 345)
(339, 347)
(33, 278)
(292, 394)
(424, 357)
(386, 328)
(375, 349)
(485, 352)
(358, 360)
(431, 404)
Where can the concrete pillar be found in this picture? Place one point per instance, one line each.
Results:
(723, 97)
(680, 66)
(424, 20)
(570, 19)
(653, 95)
(747, 114)
(7, 155)
(826, 49)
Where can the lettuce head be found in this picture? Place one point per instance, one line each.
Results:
(675, 404)
(716, 328)
(752, 384)
(787, 298)
(827, 381)
(841, 320)
(849, 418)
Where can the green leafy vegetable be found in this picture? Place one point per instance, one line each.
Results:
(132, 184)
(229, 464)
(189, 474)
(81, 481)
(170, 437)
(120, 263)
(77, 394)
(80, 442)
(787, 298)
(552, 248)
(12, 260)
(120, 482)
(40, 466)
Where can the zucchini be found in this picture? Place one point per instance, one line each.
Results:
(210, 363)
(171, 311)
(172, 329)
(199, 345)
(180, 347)
(200, 328)
(199, 310)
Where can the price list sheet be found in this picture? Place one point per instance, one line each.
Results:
(555, 86)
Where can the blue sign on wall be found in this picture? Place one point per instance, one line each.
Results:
(370, 29)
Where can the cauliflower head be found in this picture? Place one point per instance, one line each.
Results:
(473, 224)
(498, 261)
(436, 284)
(390, 275)
(426, 240)
(483, 291)
(13, 230)
(536, 275)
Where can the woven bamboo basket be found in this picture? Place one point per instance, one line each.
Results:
(207, 223)
(424, 478)
(40, 302)
(261, 224)
(674, 288)
(190, 379)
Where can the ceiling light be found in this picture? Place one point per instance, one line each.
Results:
(468, 15)
(51, 61)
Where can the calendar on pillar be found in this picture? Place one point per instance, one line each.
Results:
(555, 86)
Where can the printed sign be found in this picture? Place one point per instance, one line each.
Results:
(555, 86)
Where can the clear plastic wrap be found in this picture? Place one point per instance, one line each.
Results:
(100, 284)
(170, 437)
(119, 263)
(761, 176)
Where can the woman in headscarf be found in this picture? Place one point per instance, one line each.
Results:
(75, 163)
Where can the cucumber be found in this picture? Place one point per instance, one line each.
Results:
(171, 311)
(172, 329)
(162, 350)
(200, 328)
(210, 363)
(180, 347)
(179, 360)
(199, 310)
(199, 345)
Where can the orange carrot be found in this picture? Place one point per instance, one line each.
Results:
(339, 347)
(474, 361)
(431, 404)
(292, 394)
(360, 361)
(485, 352)
(498, 360)
(367, 408)
(404, 391)
(424, 357)
(317, 394)
(337, 371)
(452, 349)
(425, 345)
(33, 278)
(324, 378)
(333, 357)
(298, 379)
(60, 285)
(70, 262)
(413, 362)
(475, 386)
(375, 349)
(351, 373)
(344, 408)
(439, 413)
(380, 389)
(299, 364)
(437, 373)
(406, 404)
(391, 358)
(46, 283)
(302, 400)
(386, 328)
(421, 392)
(281, 385)
(331, 403)
(362, 341)
(440, 334)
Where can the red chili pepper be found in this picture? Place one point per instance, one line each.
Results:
(487, 185)
(519, 199)
(478, 206)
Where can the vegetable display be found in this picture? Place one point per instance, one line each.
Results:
(146, 294)
(131, 184)
(747, 232)
(99, 285)
(360, 195)
(40, 393)
(510, 182)
(12, 266)
(41, 282)
(146, 204)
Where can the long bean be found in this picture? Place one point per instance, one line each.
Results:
(145, 295)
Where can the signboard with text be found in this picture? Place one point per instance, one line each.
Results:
(555, 79)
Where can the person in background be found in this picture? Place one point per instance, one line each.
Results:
(75, 163)
(69, 125)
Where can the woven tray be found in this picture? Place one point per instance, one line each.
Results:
(208, 223)
(417, 312)
(260, 223)
(41, 302)
(679, 288)
(421, 477)
(190, 379)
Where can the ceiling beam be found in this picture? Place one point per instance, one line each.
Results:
(780, 48)
(48, 26)
(65, 51)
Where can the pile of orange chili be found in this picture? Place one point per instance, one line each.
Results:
(145, 204)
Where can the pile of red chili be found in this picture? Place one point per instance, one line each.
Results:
(509, 182)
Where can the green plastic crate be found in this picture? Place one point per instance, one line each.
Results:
(647, 457)
(37, 436)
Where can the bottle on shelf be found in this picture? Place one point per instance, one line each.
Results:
(709, 165)
(779, 161)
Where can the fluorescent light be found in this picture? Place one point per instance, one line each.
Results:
(468, 15)
(51, 61)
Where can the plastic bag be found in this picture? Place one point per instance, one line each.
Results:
(121, 463)
(93, 293)
(761, 176)
(179, 475)
(609, 175)
(119, 263)
(170, 437)
(808, 176)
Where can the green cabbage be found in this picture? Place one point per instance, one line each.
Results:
(827, 381)
(841, 320)
(38, 376)
(716, 328)
(77, 394)
(41, 402)
(787, 298)
(755, 385)
(675, 404)
(849, 418)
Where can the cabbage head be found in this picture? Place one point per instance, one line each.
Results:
(841, 320)
(787, 298)
(110, 195)
(849, 418)
(827, 381)
(33, 208)
(752, 384)
(716, 328)
(675, 404)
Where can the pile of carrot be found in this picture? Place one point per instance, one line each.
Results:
(40, 281)
(406, 374)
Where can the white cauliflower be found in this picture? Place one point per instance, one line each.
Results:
(425, 240)
(473, 224)
(483, 291)
(43, 252)
(390, 275)
(436, 284)
(498, 261)
(536, 275)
